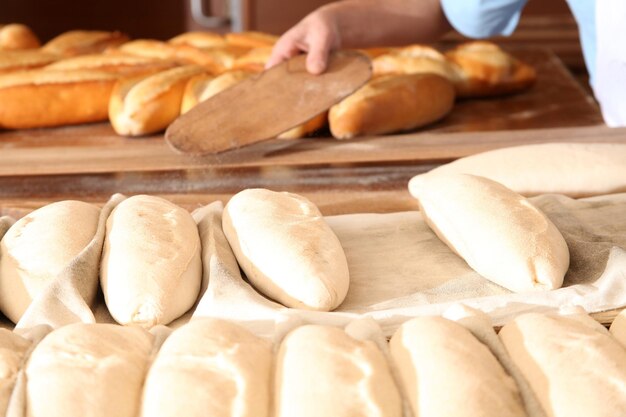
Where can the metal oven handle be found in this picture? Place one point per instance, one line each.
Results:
(214, 22)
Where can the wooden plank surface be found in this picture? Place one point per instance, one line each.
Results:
(554, 110)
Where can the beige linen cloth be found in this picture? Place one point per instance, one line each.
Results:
(400, 269)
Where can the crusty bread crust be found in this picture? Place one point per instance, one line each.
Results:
(16, 36)
(486, 70)
(45, 99)
(80, 42)
(392, 103)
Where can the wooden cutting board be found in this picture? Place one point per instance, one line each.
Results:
(268, 104)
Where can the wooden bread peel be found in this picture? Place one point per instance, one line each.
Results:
(266, 105)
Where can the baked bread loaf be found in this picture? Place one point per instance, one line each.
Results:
(211, 368)
(38, 247)
(415, 59)
(573, 169)
(216, 60)
(42, 98)
(487, 70)
(375, 52)
(13, 61)
(318, 122)
(287, 250)
(321, 371)
(147, 48)
(17, 36)
(499, 233)
(141, 106)
(571, 363)
(124, 65)
(92, 370)
(13, 350)
(80, 42)
(151, 267)
(251, 39)
(444, 369)
(204, 86)
(390, 104)
(199, 39)
(254, 60)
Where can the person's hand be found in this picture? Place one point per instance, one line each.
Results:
(316, 35)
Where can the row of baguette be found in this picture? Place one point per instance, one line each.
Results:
(145, 252)
(141, 86)
(540, 365)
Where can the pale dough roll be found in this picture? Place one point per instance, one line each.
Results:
(12, 351)
(321, 371)
(574, 368)
(210, 368)
(499, 233)
(151, 267)
(286, 248)
(38, 247)
(573, 169)
(392, 103)
(446, 371)
(94, 370)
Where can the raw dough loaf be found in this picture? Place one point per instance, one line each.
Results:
(151, 267)
(499, 233)
(38, 247)
(573, 169)
(574, 367)
(12, 351)
(94, 370)
(210, 368)
(287, 249)
(321, 371)
(446, 371)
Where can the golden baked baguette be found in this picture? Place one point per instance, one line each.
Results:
(204, 86)
(199, 39)
(11, 61)
(42, 98)
(147, 105)
(251, 39)
(487, 70)
(80, 42)
(17, 36)
(253, 60)
(415, 59)
(305, 129)
(147, 48)
(392, 103)
(375, 52)
(214, 60)
(126, 65)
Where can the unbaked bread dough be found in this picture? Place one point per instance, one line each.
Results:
(575, 368)
(499, 233)
(210, 368)
(573, 169)
(38, 247)
(151, 267)
(444, 369)
(12, 350)
(94, 370)
(321, 371)
(286, 248)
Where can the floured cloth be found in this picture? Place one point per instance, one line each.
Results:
(400, 269)
(63, 300)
